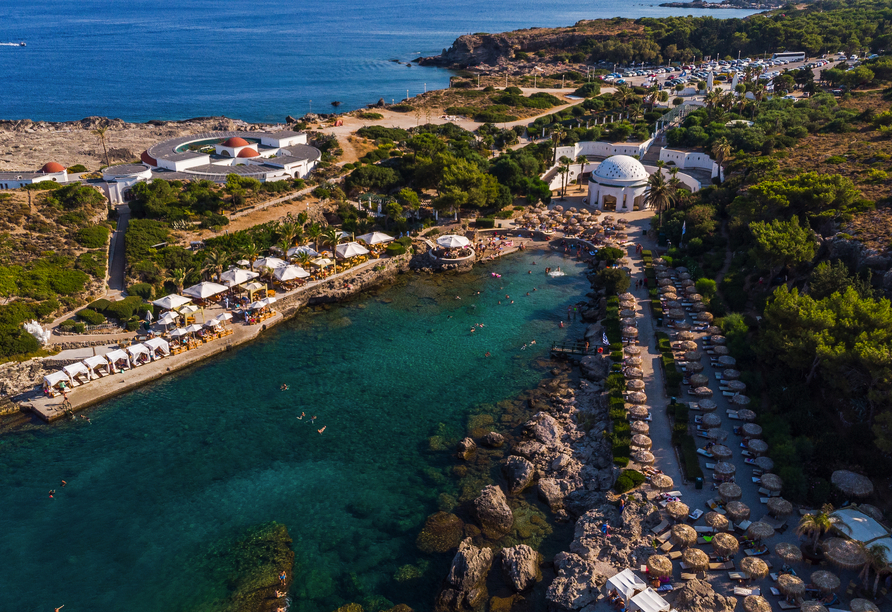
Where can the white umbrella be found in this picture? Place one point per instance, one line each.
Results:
(168, 317)
(172, 301)
(212, 323)
(350, 249)
(270, 262)
(375, 238)
(243, 262)
(290, 273)
(189, 309)
(226, 316)
(195, 327)
(255, 286)
(178, 332)
(302, 249)
(451, 241)
(321, 262)
(268, 301)
(237, 276)
(205, 290)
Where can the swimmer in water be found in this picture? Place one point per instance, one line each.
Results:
(284, 387)
(313, 420)
(487, 354)
(529, 271)
(524, 347)
(562, 324)
(457, 297)
(323, 429)
(301, 417)
(532, 342)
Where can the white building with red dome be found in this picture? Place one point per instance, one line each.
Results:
(51, 171)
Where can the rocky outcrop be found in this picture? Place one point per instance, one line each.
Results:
(493, 513)
(626, 543)
(494, 440)
(472, 49)
(595, 367)
(699, 596)
(441, 532)
(519, 472)
(520, 565)
(544, 428)
(16, 378)
(466, 448)
(576, 585)
(465, 587)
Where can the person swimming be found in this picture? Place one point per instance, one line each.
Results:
(323, 429)
(301, 417)
(284, 387)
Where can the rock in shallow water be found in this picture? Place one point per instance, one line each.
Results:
(441, 532)
(466, 582)
(494, 440)
(544, 428)
(519, 472)
(520, 565)
(492, 511)
(466, 448)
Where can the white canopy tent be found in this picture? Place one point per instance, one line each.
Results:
(98, 365)
(118, 360)
(54, 380)
(79, 373)
(172, 301)
(375, 238)
(350, 249)
(626, 583)
(205, 289)
(451, 241)
(649, 600)
(159, 347)
(231, 278)
(288, 273)
(293, 251)
(859, 526)
(139, 354)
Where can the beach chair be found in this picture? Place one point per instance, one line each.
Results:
(687, 576)
(737, 576)
(717, 567)
(786, 605)
(675, 554)
(695, 514)
(710, 466)
(666, 547)
(659, 528)
(703, 529)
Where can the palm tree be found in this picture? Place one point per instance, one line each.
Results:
(721, 150)
(100, 132)
(178, 278)
(214, 262)
(874, 559)
(304, 259)
(583, 160)
(284, 245)
(251, 253)
(653, 93)
(674, 181)
(288, 231)
(622, 94)
(565, 172)
(298, 238)
(815, 525)
(659, 194)
(313, 233)
(758, 94)
(332, 236)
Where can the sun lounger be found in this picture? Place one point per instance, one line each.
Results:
(703, 529)
(664, 537)
(764, 500)
(744, 525)
(704, 452)
(774, 591)
(695, 514)
(764, 491)
(743, 592)
(685, 576)
(675, 554)
(674, 493)
(659, 528)
(752, 552)
(786, 605)
(737, 576)
(746, 453)
(685, 566)
(728, 393)
(710, 466)
(717, 567)
(666, 547)
(702, 434)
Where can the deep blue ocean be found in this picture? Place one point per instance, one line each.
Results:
(258, 61)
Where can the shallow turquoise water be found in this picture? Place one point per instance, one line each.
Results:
(164, 472)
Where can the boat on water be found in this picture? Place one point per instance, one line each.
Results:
(13, 44)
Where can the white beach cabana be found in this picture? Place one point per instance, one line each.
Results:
(350, 249)
(626, 583)
(139, 354)
(205, 289)
(53, 382)
(172, 301)
(237, 276)
(159, 347)
(451, 241)
(289, 273)
(375, 238)
(118, 360)
(98, 365)
(649, 600)
(79, 373)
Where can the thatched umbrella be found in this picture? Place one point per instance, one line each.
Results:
(812, 605)
(730, 374)
(686, 335)
(658, 565)
(699, 380)
(851, 483)
(740, 400)
(682, 325)
(635, 384)
(778, 506)
(694, 366)
(697, 306)
(693, 356)
(765, 463)
(696, 297)
(628, 312)
(705, 316)
(736, 385)
(661, 481)
(713, 330)
(702, 392)
(681, 269)
(711, 420)
(725, 545)
(663, 274)
(863, 605)
(686, 282)
(759, 531)
(720, 451)
(628, 321)
(636, 397)
(634, 361)
(717, 339)
(751, 430)
(730, 491)
(757, 446)
(626, 296)
(707, 405)
(737, 511)
(643, 457)
(725, 469)
(667, 290)
(640, 427)
(846, 554)
(788, 552)
(754, 567)
(633, 373)
(745, 414)
(826, 581)
(871, 511)
(677, 510)
(688, 345)
(684, 275)
(727, 360)
(756, 603)
(772, 482)
(717, 435)
(632, 350)
(790, 585)
(676, 313)
(641, 441)
(639, 413)
(664, 282)
(718, 522)
(683, 535)
(696, 559)
(720, 350)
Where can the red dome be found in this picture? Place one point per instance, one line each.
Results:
(148, 159)
(235, 141)
(52, 168)
(249, 152)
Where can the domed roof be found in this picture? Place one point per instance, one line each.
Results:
(52, 168)
(235, 141)
(621, 168)
(249, 152)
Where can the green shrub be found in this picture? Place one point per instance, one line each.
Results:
(628, 480)
(100, 305)
(621, 461)
(80, 328)
(143, 290)
(92, 237)
(485, 223)
(395, 248)
(122, 310)
(402, 108)
(91, 316)
(370, 116)
(131, 326)
(67, 324)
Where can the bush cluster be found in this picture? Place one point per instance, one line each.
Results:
(628, 480)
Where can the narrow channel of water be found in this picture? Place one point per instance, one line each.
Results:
(165, 472)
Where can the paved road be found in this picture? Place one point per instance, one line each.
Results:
(116, 261)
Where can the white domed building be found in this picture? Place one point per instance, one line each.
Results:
(618, 183)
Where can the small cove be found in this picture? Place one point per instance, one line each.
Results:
(169, 470)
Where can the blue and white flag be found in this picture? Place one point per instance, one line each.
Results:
(604, 338)
(684, 227)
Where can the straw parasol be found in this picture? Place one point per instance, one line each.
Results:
(720, 451)
(633, 361)
(790, 585)
(788, 552)
(736, 385)
(718, 435)
(765, 463)
(727, 360)
(686, 282)
(725, 545)
(863, 605)
(699, 380)
(751, 430)
(632, 350)
(664, 282)
(725, 469)
(667, 290)
(661, 481)
(686, 335)
(658, 565)
(707, 405)
(756, 603)
(705, 316)
(682, 325)
(688, 345)
(633, 373)
(696, 297)
(778, 506)
(639, 412)
(730, 491)
(628, 321)
(720, 350)
(851, 483)
(711, 420)
(740, 400)
(745, 414)
(697, 306)
(812, 605)
(677, 510)
(713, 330)
(759, 531)
(694, 366)
(826, 581)
(718, 522)
(681, 269)
(683, 535)
(757, 446)
(696, 559)
(730, 374)
(634, 384)
(643, 457)
(641, 441)
(754, 567)
(627, 313)
(630, 332)
(693, 356)
(640, 427)
(772, 482)
(717, 339)
(626, 296)
(636, 397)
(676, 313)
(702, 392)
(737, 511)
(684, 275)
(842, 553)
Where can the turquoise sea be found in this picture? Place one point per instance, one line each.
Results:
(258, 60)
(165, 473)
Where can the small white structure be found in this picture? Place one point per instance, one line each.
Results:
(55, 382)
(139, 354)
(375, 238)
(451, 241)
(159, 347)
(99, 366)
(627, 583)
(50, 171)
(79, 373)
(649, 600)
(289, 273)
(618, 183)
(118, 360)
